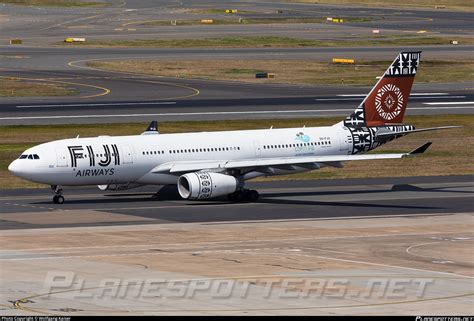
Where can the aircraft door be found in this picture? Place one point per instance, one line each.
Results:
(127, 155)
(258, 149)
(61, 157)
(345, 140)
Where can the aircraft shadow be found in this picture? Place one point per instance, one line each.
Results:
(170, 193)
(343, 204)
(395, 188)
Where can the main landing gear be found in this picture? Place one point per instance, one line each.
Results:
(58, 198)
(246, 195)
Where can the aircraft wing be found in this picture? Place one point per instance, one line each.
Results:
(310, 162)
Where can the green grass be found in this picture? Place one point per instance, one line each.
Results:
(273, 41)
(55, 3)
(263, 20)
(17, 88)
(239, 71)
(450, 154)
(309, 72)
(220, 11)
(450, 4)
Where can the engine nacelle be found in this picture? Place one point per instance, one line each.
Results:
(118, 187)
(204, 185)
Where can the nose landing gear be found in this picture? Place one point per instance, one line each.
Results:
(58, 198)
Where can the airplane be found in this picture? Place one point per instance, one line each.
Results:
(206, 165)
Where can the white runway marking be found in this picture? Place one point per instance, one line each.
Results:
(419, 97)
(180, 114)
(263, 112)
(412, 94)
(452, 103)
(201, 243)
(98, 104)
(408, 250)
(391, 266)
(434, 259)
(173, 102)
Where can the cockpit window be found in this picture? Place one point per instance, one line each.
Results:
(31, 156)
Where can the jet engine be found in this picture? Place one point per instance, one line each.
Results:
(205, 185)
(118, 187)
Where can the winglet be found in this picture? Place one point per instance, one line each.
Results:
(420, 150)
(152, 128)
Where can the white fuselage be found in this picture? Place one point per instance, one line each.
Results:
(130, 159)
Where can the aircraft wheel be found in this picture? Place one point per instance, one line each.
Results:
(239, 196)
(252, 195)
(58, 199)
(243, 196)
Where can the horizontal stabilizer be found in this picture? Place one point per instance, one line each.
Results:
(420, 150)
(390, 134)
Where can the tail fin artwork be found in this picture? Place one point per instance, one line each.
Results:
(388, 99)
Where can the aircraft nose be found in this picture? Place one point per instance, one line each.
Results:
(14, 167)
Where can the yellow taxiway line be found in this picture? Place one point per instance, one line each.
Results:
(105, 91)
(196, 91)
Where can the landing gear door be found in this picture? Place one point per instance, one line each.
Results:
(61, 157)
(127, 155)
